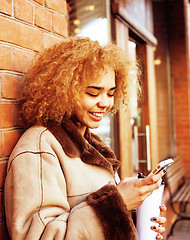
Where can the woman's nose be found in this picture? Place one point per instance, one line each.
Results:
(104, 102)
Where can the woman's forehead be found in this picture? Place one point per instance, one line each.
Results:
(104, 78)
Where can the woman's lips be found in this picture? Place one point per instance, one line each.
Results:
(97, 115)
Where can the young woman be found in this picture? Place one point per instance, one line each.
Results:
(60, 181)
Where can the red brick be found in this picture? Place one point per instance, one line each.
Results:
(3, 168)
(23, 10)
(21, 60)
(49, 40)
(20, 34)
(10, 85)
(6, 7)
(11, 138)
(59, 25)
(43, 18)
(16, 115)
(5, 57)
(6, 119)
(57, 5)
(1, 144)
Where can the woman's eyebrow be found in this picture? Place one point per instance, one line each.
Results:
(99, 88)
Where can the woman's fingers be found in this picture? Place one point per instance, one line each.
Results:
(151, 179)
(163, 208)
(160, 220)
(159, 229)
(135, 191)
(159, 237)
(145, 186)
(149, 188)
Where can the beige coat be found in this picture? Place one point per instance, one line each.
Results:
(60, 185)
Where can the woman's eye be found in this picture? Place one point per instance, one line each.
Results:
(111, 94)
(92, 94)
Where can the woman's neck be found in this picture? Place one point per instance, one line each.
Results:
(81, 128)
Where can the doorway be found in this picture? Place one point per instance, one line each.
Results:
(139, 113)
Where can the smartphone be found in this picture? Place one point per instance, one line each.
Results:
(163, 165)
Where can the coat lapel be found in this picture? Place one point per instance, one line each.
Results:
(90, 148)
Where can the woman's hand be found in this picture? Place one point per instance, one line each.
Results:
(134, 191)
(160, 220)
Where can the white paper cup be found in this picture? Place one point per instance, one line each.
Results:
(150, 208)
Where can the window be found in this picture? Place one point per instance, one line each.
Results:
(92, 19)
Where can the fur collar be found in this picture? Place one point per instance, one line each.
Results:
(90, 148)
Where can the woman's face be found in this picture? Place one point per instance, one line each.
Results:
(96, 100)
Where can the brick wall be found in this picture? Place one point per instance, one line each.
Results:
(172, 83)
(171, 26)
(26, 27)
(181, 78)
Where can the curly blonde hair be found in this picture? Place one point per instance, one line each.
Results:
(53, 84)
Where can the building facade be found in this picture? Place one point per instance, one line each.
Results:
(156, 32)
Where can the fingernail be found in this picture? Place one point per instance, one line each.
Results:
(159, 236)
(154, 219)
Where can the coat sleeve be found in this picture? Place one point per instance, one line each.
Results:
(35, 197)
(110, 208)
(102, 216)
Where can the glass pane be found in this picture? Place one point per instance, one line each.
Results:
(92, 19)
